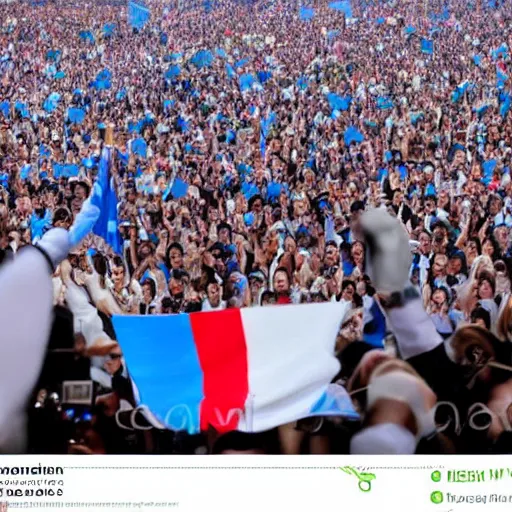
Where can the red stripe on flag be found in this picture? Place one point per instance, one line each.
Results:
(220, 341)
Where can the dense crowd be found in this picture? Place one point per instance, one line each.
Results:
(249, 195)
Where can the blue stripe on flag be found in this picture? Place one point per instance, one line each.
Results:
(162, 359)
(335, 401)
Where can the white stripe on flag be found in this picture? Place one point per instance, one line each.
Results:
(291, 361)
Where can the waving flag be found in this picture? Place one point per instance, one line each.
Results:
(202, 59)
(76, 115)
(427, 46)
(39, 225)
(352, 134)
(104, 197)
(246, 369)
(306, 13)
(337, 102)
(138, 15)
(343, 6)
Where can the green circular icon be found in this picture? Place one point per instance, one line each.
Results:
(436, 497)
(436, 476)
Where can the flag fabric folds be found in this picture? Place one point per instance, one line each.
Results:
(306, 13)
(105, 199)
(202, 59)
(343, 6)
(76, 115)
(138, 15)
(246, 369)
(427, 46)
(65, 170)
(352, 134)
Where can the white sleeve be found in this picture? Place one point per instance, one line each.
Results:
(26, 303)
(414, 331)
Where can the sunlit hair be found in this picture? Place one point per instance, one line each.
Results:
(472, 342)
(504, 323)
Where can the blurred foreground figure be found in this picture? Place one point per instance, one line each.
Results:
(26, 315)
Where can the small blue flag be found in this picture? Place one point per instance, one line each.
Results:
(87, 35)
(384, 103)
(5, 107)
(306, 13)
(108, 29)
(138, 15)
(22, 108)
(172, 72)
(246, 82)
(139, 147)
(65, 170)
(241, 63)
(25, 172)
(179, 188)
(343, 6)
(202, 59)
(230, 71)
(50, 103)
(337, 102)
(76, 115)
(427, 46)
(352, 134)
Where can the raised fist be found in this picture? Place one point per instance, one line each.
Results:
(388, 257)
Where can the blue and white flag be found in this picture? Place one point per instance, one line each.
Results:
(104, 197)
(138, 15)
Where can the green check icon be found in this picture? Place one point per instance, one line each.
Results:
(365, 479)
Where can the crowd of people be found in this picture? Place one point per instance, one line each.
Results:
(245, 192)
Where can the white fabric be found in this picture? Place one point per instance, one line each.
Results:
(56, 244)
(415, 333)
(26, 296)
(85, 316)
(403, 387)
(384, 439)
(297, 337)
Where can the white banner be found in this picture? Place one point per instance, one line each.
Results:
(256, 483)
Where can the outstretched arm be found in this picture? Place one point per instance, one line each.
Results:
(389, 260)
(26, 303)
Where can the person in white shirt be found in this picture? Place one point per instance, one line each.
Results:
(213, 300)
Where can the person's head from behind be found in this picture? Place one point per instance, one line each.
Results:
(356, 210)
(62, 218)
(268, 298)
(481, 317)
(281, 281)
(213, 292)
(473, 347)
(488, 247)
